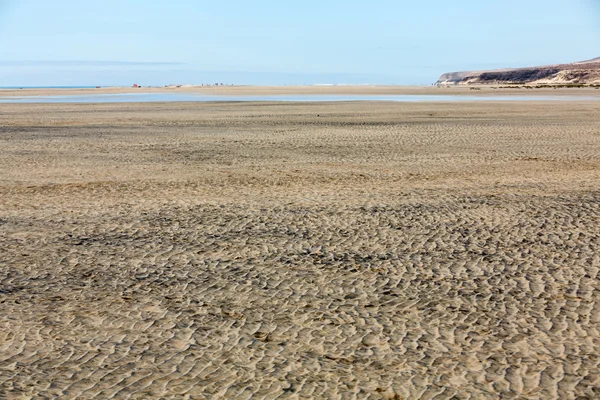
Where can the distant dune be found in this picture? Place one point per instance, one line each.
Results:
(583, 72)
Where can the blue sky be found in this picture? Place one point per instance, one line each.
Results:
(156, 42)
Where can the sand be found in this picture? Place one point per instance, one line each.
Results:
(265, 250)
(478, 90)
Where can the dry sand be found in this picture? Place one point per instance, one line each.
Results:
(353, 250)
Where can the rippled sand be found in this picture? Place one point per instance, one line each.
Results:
(358, 250)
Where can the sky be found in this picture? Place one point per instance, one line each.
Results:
(274, 42)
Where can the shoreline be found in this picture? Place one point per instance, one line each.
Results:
(308, 90)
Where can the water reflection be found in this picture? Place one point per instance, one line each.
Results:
(193, 97)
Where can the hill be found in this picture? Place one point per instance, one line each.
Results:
(583, 72)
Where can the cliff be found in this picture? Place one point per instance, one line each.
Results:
(584, 72)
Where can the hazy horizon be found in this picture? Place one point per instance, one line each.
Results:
(67, 43)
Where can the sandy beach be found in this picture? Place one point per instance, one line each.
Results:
(287, 250)
(479, 90)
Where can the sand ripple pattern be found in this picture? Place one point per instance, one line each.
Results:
(226, 284)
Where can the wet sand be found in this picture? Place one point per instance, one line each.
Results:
(267, 250)
(480, 90)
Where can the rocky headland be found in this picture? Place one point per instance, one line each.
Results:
(578, 73)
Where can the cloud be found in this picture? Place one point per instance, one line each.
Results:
(125, 73)
(87, 64)
(27, 71)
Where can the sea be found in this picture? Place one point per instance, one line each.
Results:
(48, 87)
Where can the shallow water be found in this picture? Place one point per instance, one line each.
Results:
(180, 97)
